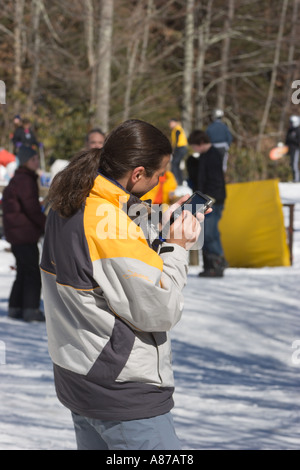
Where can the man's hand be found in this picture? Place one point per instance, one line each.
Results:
(186, 229)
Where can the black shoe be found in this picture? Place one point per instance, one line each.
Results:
(213, 265)
(33, 314)
(212, 273)
(224, 262)
(15, 313)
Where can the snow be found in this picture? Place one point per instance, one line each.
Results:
(235, 354)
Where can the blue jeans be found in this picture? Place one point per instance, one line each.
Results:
(294, 159)
(212, 240)
(156, 433)
(178, 154)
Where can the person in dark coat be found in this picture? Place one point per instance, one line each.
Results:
(23, 134)
(24, 224)
(207, 176)
(293, 143)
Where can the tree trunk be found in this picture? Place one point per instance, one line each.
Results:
(146, 36)
(203, 37)
(36, 8)
(199, 79)
(187, 109)
(291, 70)
(225, 55)
(90, 40)
(19, 12)
(104, 66)
(273, 76)
(132, 55)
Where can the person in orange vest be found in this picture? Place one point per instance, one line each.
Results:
(162, 192)
(180, 145)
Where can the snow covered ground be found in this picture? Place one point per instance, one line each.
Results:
(236, 356)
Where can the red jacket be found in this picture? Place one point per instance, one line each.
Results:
(23, 219)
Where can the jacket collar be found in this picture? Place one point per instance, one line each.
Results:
(109, 190)
(138, 211)
(114, 192)
(27, 171)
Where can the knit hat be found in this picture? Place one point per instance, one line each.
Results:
(25, 153)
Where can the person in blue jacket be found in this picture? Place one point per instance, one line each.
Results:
(220, 135)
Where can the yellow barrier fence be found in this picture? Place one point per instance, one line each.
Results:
(252, 225)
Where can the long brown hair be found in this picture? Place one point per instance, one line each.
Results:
(134, 143)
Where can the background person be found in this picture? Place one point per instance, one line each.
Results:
(179, 145)
(163, 192)
(210, 181)
(29, 137)
(95, 139)
(110, 300)
(293, 142)
(24, 224)
(16, 135)
(220, 135)
(23, 134)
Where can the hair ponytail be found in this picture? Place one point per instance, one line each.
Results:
(71, 186)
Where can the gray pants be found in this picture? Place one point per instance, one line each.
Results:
(223, 148)
(156, 433)
(294, 156)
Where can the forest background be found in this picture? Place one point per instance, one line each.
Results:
(73, 65)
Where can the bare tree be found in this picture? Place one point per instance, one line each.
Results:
(61, 52)
(138, 23)
(188, 74)
(149, 12)
(203, 33)
(89, 28)
(36, 13)
(18, 17)
(225, 55)
(276, 62)
(291, 68)
(132, 56)
(104, 64)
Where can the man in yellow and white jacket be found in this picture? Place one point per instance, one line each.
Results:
(111, 297)
(112, 307)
